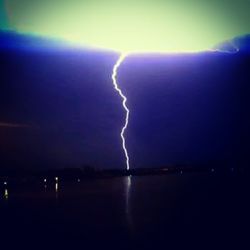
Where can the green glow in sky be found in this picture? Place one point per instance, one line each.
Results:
(133, 26)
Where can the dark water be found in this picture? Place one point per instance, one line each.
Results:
(205, 211)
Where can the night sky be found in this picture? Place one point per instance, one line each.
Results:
(59, 108)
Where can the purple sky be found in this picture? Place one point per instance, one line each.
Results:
(58, 108)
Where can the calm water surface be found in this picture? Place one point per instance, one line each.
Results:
(158, 212)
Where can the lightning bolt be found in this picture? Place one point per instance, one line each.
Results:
(124, 104)
(124, 98)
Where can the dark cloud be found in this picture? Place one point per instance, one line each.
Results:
(184, 108)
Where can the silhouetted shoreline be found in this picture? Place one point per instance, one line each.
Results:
(23, 176)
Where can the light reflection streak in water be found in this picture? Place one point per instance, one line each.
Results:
(129, 218)
(6, 194)
(56, 189)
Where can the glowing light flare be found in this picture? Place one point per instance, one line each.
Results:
(124, 104)
(133, 26)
